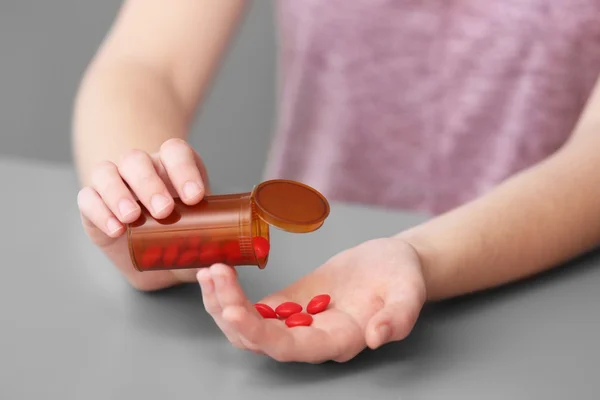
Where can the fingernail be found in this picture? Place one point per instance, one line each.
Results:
(126, 207)
(191, 189)
(113, 225)
(159, 202)
(383, 332)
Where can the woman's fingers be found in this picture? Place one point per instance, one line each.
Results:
(95, 211)
(138, 170)
(311, 344)
(111, 201)
(107, 182)
(213, 307)
(268, 336)
(393, 322)
(180, 162)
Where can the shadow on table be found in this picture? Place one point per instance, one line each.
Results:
(406, 356)
(423, 350)
(176, 311)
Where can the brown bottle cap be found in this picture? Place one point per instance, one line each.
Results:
(290, 206)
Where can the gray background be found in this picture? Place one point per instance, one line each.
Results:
(46, 46)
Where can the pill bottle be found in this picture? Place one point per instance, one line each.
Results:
(231, 228)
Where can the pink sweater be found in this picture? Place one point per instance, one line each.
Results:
(425, 104)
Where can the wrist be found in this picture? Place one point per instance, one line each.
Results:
(427, 254)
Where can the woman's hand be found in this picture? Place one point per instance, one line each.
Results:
(377, 291)
(110, 202)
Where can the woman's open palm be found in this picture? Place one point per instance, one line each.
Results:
(376, 288)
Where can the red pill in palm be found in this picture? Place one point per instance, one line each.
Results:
(261, 246)
(265, 310)
(318, 304)
(284, 310)
(151, 256)
(300, 319)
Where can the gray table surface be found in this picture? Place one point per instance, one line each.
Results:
(71, 328)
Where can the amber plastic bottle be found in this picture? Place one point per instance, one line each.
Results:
(231, 229)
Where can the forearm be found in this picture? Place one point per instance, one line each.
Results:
(532, 222)
(120, 108)
(149, 76)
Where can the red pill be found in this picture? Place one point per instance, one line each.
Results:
(232, 252)
(195, 242)
(170, 255)
(284, 310)
(265, 310)
(187, 258)
(318, 304)
(210, 253)
(300, 319)
(261, 246)
(151, 256)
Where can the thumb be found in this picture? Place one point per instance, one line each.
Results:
(393, 322)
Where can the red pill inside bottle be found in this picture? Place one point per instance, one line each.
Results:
(300, 319)
(284, 310)
(210, 253)
(261, 246)
(265, 310)
(170, 255)
(318, 304)
(195, 241)
(187, 258)
(232, 252)
(151, 256)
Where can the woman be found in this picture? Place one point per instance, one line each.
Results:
(484, 114)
